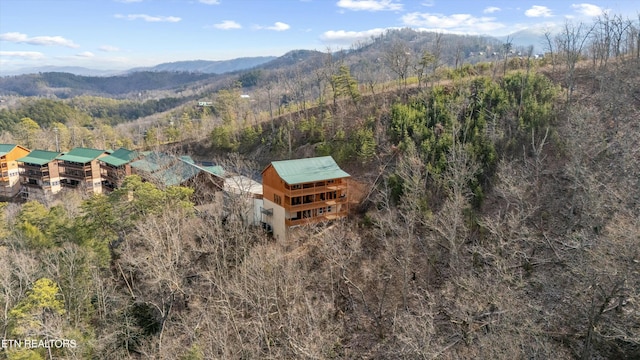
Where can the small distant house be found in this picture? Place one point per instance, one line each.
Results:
(80, 169)
(115, 167)
(303, 191)
(9, 171)
(39, 174)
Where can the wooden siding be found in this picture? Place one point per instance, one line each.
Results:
(8, 161)
(306, 202)
(10, 173)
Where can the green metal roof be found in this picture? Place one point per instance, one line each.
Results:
(177, 174)
(171, 170)
(152, 162)
(187, 158)
(82, 155)
(183, 170)
(39, 157)
(119, 157)
(215, 170)
(308, 170)
(6, 148)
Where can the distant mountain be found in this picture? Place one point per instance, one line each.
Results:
(65, 85)
(291, 58)
(365, 60)
(195, 66)
(76, 70)
(210, 67)
(531, 36)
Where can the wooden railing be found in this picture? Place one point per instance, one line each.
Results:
(316, 219)
(315, 189)
(315, 204)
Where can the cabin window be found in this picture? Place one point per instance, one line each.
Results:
(277, 199)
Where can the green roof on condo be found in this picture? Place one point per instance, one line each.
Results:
(6, 148)
(82, 155)
(39, 157)
(119, 157)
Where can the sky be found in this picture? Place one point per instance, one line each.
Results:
(122, 34)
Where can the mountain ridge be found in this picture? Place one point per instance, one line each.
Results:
(521, 38)
(197, 66)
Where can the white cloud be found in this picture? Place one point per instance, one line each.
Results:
(538, 11)
(278, 26)
(14, 37)
(349, 37)
(210, 2)
(129, 1)
(108, 48)
(37, 40)
(588, 9)
(491, 10)
(455, 23)
(227, 25)
(85, 54)
(148, 18)
(29, 55)
(370, 5)
(428, 3)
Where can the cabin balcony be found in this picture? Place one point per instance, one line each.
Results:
(36, 173)
(316, 219)
(113, 176)
(315, 204)
(313, 188)
(76, 174)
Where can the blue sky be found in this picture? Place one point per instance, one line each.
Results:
(120, 34)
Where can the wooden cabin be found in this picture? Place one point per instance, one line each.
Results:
(303, 191)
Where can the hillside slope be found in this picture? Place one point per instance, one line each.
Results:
(545, 265)
(499, 219)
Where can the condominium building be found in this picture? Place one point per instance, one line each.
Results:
(39, 174)
(80, 169)
(9, 172)
(115, 167)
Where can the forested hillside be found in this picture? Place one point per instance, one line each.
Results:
(498, 217)
(65, 85)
